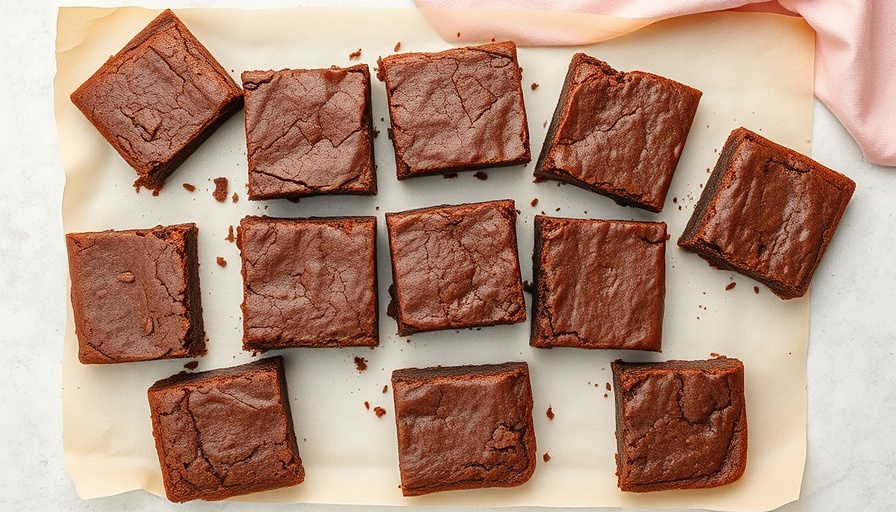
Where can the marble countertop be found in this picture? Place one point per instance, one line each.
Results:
(852, 392)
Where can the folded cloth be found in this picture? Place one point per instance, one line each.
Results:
(855, 49)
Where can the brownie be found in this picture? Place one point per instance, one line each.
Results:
(618, 134)
(456, 110)
(225, 432)
(767, 212)
(158, 99)
(598, 284)
(309, 132)
(135, 294)
(308, 282)
(455, 266)
(463, 427)
(679, 424)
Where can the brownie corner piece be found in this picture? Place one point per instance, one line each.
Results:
(702, 409)
(309, 132)
(456, 110)
(308, 282)
(464, 427)
(135, 294)
(225, 432)
(158, 99)
(767, 212)
(598, 284)
(455, 267)
(616, 133)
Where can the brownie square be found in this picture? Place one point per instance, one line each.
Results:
(598, 284)
(618, 134)
(309, 132)
(225, 432)
(767, 212)
(308, 282)
(455, 267)
(135, 294)
(679, 424)
(158, 99)
(456, 110)
(463, 427)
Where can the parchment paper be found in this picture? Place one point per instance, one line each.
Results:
(754, 70)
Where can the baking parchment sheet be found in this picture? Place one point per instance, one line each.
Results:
(755, 70)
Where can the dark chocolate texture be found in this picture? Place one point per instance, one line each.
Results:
(135, 294)
(618, 134)
(456, 110)
(464, 427)
(767, 212)
(680, 424)
(308, 282)
(225, 432)
(455, 267)
(158, 99)
(309, 132)
(598, 284)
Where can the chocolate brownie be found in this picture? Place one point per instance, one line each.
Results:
(158, 99)
(135, 294)
(598, 284)
(463, 427)
(767, 212)
(618, 134)
(225, 432)
(308, 282)
(456, 110)
(680, 424)
(309, 132)
(455, 266)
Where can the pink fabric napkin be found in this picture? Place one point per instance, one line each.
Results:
(855, 45)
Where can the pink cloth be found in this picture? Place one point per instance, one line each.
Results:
(855, 48)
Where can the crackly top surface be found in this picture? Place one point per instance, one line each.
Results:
(618, 133)
(225, 432)
(456, 266)
(680, 424)
(769, 212)
(599, 284)
(131, 294)
(457, 109)
(309, 282)
(464, 427)
(308, 132)
(156, 96)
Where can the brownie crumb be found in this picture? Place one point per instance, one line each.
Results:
(192, 365)
(458, 35)
(730, 286)
(557, 210)
(546, 456)
(481, 175)
(189, 187)
(397, 47)
(606, 395)
(609, 387)
(376, 133)
(534, 85)
(675, 199)
(220, 193)
(367, 405)
(528, 287)
(534, 202)
(450, 175)
(360, 364)
(385, 389)
(234, 198)
(543, 125)
(230, 238)
(221, 262)
(379, 411)
(549, 413)
(756, 290)
(355, 55)
(126, 277)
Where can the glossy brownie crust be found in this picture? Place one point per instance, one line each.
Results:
(456, 110)
(135, 294)
(308, 282)
(309, 132)
(464, 427)
(158, 99)
(598, 284)
(618, 134)
(680, 424)
(225, 432)
(767, 212)
(455, 267)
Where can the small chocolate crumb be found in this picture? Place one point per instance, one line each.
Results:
(481, 175)
(458, 35)
(376, 133)
(220, 193)
(230, 238)
(221, 262)
(557, 210)
(756, 290)
(450, 175)
(546, 456)
(235, 197)
(609, 387)
(675, 199)
(389, 133)
(534, 202)
(397, 47)
(544, 124)
(189, 187)
(355, 55)
(379, 411)
(192, 365)
(494, 39)
(360, 364)
(606, 395)
(367, 405)
(528, 287)
(730, 286)
(549, 413)
(126, 277)
(534, 85)
(385, 389)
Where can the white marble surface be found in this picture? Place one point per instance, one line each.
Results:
(852, 391)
